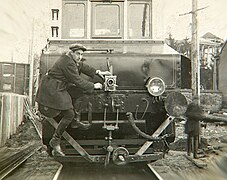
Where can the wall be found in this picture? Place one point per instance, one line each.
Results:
(209, 100)
(14, 77)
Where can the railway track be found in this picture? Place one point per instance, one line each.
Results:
(9, 164)
(98, 172)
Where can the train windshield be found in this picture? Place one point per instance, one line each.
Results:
(73, 20)
(99, 19)
(139, 22)
(107, 20)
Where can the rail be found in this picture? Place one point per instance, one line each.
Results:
(35, 119)
(92, 172)
(9, 164)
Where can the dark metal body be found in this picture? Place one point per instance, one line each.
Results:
(131, 63)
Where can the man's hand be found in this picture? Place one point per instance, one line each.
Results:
(103, 73)
(97, 86)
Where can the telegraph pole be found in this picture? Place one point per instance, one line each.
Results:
(195, 60)
(31, 62)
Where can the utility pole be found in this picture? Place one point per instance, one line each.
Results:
(195, 60)
(31, 62)
(195, 57)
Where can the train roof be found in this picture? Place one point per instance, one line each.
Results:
(117, 46)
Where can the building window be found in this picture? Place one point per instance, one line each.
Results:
(54, 31)
(73, 20)
(107, 20)
(54, 13)
(139, 22)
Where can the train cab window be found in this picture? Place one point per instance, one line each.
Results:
(73, 19)
(107, 20)
(139, 22)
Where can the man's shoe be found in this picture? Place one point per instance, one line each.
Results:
(55, 144)
(78, 124)
(57, 153)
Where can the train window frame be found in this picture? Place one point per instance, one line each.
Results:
(120, 4)
(130, 2)
(109, 1)
(63, 27)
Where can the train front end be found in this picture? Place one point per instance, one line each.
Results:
(132, 118)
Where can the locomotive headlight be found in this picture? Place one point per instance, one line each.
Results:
(155, 86)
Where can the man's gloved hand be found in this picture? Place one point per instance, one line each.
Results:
(97, 86)
(103, 73)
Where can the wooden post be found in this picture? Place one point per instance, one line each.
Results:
(1, 120)
(215, 80)
(195, 61)
(31, 62)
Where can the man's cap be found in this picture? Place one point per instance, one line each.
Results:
(75, 47)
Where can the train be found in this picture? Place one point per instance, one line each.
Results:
(132, 119)
(136, 99)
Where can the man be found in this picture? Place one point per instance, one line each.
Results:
(193, 114)
(52, 94)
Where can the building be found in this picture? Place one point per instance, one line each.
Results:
(222, 76)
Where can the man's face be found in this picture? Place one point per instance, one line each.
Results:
(77, 55)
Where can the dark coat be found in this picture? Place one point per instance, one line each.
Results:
(193, 114)
(52, 91)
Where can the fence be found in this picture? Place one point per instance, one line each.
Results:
(11, 114)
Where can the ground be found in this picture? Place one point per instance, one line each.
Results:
(213, 152)
(39, 166)
(174, 165)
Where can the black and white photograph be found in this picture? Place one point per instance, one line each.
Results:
(113, 89)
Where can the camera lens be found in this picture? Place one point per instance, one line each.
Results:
(110, 82)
